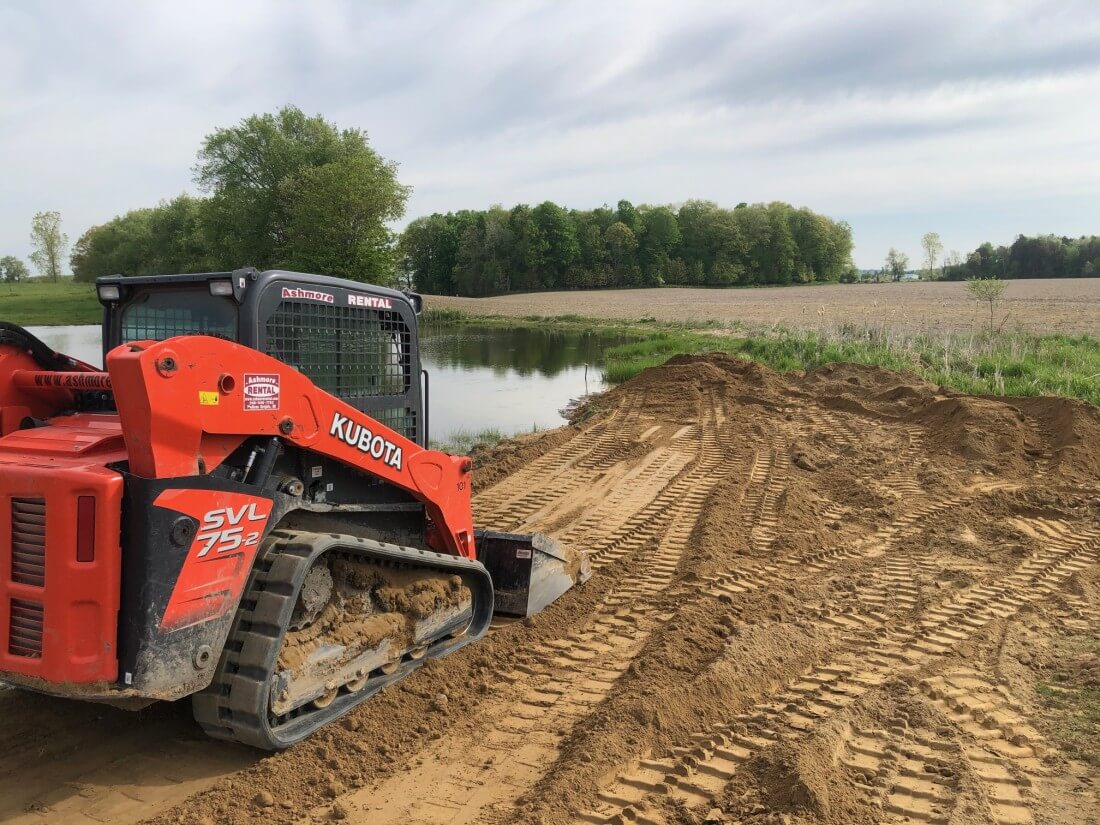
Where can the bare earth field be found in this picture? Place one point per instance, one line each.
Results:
(821, 599)
(1069, 306)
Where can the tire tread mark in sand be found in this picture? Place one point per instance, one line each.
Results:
(696, 774)
(905, 771)
(573, 674)
(1003, 740)
(769, 478)
(527, 489)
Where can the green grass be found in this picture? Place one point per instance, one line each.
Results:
(461, 442)
(1071, 700)
(34, 303)
(1006, 364)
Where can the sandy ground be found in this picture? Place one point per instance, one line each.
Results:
(817, 600)
(1038, 306)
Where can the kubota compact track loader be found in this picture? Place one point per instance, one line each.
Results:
(242, 507)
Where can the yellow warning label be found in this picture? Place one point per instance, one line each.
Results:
(208, 399)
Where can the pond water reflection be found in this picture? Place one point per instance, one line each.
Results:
(507, 379)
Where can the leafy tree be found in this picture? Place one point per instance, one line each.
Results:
(622, 245)
(897, 263)
(427, 254)
(660, 239)
(254, 170)
(932, 246)
(989, 291)
(49, 244)
(561, 248)
(167, 238)
(334, 218)
(13, 270)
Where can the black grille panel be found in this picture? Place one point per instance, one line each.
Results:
(25, 634)
(347, 351)
(28, 541)
(354, 353)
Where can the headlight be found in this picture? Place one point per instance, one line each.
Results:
(224, 288)
(108, 292)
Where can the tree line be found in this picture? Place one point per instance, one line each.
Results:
(497, 250)
(285, 190)
(1039, 256)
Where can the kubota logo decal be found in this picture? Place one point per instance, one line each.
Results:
(214, 571)
(360, 437)
(308, 294)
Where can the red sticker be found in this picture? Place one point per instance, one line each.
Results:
(261, 391)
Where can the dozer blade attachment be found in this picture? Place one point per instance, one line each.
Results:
(529, 571)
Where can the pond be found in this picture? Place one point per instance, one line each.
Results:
(481, 378)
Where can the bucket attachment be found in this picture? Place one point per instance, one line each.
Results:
(529, 571)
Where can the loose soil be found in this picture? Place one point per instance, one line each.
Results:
(839, 597)
(1040, 307)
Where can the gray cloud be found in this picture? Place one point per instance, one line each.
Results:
(912, 113)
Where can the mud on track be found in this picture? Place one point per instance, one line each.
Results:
(818, 599)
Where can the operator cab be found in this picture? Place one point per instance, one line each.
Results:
(353, 340)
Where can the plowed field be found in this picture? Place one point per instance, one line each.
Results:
(841, 597)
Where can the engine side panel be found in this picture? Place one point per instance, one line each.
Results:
(60, 558)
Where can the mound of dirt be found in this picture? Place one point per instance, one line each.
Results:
(990, 434)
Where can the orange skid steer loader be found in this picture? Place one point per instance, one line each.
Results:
(242, 508)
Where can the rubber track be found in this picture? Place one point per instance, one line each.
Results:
(236, 705)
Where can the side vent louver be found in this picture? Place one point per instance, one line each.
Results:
(25, 637)
(28, 541)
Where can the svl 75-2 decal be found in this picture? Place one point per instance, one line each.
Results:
(214, 572)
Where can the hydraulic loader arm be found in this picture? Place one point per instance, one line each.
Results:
(186, 403)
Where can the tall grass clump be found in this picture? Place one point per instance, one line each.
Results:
(462, 441)
(974, 363)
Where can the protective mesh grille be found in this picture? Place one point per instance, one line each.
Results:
(354, 353)
(159, 314)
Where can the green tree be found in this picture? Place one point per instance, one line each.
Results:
(427, 252)
(334, 218)
(660, 240)
(932, 246)
(622, 248)
(167, 238)
(561, 246)
(250, 171)
(13, 270)
(987, 291)
(48, 243)
(897, 263)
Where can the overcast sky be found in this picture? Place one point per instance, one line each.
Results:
(976, 120)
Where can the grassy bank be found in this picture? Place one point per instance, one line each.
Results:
(461, 442)
(1003, 364)
(34, 303)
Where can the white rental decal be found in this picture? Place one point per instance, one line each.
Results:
(357, 300)
(358, 436)
(261, 391)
